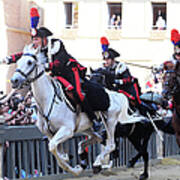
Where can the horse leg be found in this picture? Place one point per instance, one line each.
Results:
(138, 146)
(93, 138)
(145, 174)
(110, 144)
(63, 153)
(133, 161)
(64, 165)
(142, 151)
(145, 155)
(62, 135)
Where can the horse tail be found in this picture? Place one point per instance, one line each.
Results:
(123, 115)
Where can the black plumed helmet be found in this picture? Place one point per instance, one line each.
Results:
(41, 32)
(110, 54)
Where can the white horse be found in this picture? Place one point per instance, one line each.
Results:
(54, 115)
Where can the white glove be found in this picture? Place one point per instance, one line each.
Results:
(157, 69)
(46, 66)
(119, 81)
(7, 60)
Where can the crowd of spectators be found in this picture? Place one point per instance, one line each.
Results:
(18, 110)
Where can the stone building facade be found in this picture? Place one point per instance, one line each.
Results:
(14, 31)
(81, 23)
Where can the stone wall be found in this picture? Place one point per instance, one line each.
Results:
(17, 24)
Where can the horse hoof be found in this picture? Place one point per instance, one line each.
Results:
(96, 169)
(130, 165)
(84, 164)
(77, 170)
(107, 166)
(143, 176)
(83, 159)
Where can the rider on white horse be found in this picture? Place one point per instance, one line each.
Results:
(65, 69)
(62, 65)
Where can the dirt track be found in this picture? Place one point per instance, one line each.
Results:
(167, 169)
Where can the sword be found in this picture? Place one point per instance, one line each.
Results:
(139, 65)
(155, 127)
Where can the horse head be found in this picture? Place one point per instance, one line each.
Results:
(169, 84)
(29, 67)
(97, 77)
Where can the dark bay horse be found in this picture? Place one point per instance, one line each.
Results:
(171, 91)
(137, 133)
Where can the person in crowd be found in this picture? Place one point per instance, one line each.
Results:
(118, 22)
(112, 21)
(17, 110)
(62, 65)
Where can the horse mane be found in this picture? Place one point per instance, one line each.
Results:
(29, 49)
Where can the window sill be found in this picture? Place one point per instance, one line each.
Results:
(157, 34)
(113, 34)
(69, 33)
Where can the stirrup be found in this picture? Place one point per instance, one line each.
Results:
(96, 125)
(99, 137)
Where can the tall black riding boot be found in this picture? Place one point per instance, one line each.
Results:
(91, 115)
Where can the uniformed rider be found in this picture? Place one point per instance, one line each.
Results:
(119, 78)
(63, 67)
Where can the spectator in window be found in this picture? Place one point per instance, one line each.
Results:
(160, 23)
(118, 22)
(112, 21)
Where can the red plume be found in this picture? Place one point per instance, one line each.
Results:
(34, 15)
(175, 36)
(34, 12)
(104, 41)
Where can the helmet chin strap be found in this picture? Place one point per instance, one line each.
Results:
(43, 46)
(47, 46)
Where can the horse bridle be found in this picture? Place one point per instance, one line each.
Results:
(173, 87)
(30, 80)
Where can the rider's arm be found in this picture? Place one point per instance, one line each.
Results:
(122, 75)
(12, 58)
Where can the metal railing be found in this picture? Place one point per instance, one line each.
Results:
(24, 152)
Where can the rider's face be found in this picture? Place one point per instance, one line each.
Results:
(177, 57)
(37, 42)
(108, 62)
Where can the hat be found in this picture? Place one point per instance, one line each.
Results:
(41, 32)
(35, 32)
(110, 54)
(175, 38)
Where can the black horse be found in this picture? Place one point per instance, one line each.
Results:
(171, 90)
(137, 133)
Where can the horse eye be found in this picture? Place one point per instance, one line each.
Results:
(29, 63)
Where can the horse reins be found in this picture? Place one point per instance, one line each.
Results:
(31, 70)
(46, 117)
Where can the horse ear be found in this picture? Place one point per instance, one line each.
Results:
(91, 70)
(26, 47)
(37, 50)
